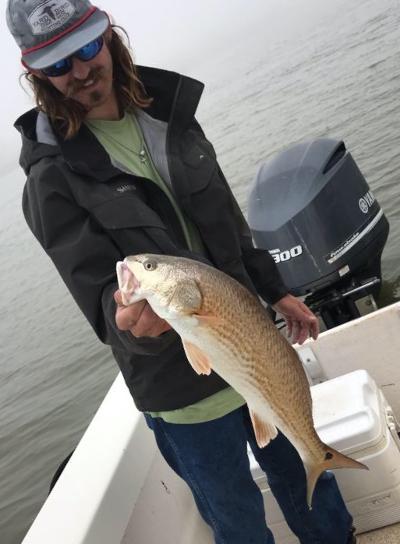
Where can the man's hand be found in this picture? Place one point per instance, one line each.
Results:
(138, 318)
(300, 320)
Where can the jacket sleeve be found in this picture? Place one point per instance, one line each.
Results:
(84, 256)
(259, 264)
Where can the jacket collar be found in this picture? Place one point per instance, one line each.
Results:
(176, 97)
(175, 100)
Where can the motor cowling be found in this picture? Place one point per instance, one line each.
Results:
(313, 210)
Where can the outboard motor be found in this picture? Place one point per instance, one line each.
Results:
(313, 210)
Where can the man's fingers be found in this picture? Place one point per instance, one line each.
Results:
(139, 319)
(314, 329)
(313, 324)
(126, 317)
(295, 331)
(150, 324)
(300, 320)
(289, 327)
(118, 298)
(304, 333)
(301, 330)
(153, 330)
(146, 324)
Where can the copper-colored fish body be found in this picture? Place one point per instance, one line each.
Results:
(226, 329)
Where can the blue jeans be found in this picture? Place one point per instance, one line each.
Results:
(212, 459)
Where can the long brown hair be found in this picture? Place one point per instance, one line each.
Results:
(67, 115)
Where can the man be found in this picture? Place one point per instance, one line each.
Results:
(116, 165)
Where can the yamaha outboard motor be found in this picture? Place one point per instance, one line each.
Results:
(311, 207)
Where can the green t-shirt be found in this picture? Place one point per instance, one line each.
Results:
(124, 142)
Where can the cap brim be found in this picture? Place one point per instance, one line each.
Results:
(93, 27)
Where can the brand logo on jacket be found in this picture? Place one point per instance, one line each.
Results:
(50, 15)
(126, 188)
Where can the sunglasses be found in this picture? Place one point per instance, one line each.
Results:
(85, 53)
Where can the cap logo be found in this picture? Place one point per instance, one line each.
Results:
(50, 16)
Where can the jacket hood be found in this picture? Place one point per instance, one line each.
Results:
(34, 148)
(175, 97)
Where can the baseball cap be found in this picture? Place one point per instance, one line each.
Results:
(50, 30)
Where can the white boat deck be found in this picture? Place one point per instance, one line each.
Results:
(387, 535)
(116, 489)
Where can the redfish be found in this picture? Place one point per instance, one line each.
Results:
(224, 328)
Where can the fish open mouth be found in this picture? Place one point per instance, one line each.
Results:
(127, 283)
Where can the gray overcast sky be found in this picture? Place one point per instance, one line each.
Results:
(173, 34)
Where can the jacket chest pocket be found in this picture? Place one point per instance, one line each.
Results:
(133, 226)
(199, 160)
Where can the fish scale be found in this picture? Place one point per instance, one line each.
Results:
(225, 328)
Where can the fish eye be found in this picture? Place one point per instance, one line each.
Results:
(150, 265)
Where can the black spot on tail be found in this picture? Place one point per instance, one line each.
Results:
(328, 456)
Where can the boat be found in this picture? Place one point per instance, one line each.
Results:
(327, 240)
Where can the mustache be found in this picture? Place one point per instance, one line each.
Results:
(77, 84)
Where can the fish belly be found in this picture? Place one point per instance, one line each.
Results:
(227, 365)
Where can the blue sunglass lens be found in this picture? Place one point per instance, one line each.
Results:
(90, 50)
(85, 53)
(60, 68)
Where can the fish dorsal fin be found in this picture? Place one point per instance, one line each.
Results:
(197, 358)
(264, 431)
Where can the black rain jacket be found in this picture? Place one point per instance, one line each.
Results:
(88, 214)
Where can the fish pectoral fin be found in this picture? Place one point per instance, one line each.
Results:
(264, 431)
(197, 358)
(204, 319)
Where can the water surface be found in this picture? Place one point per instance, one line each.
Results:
(336, 75)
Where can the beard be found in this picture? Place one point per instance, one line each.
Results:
(95, 97)
(89, 99)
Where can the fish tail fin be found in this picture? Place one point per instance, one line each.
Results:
(333, 459)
